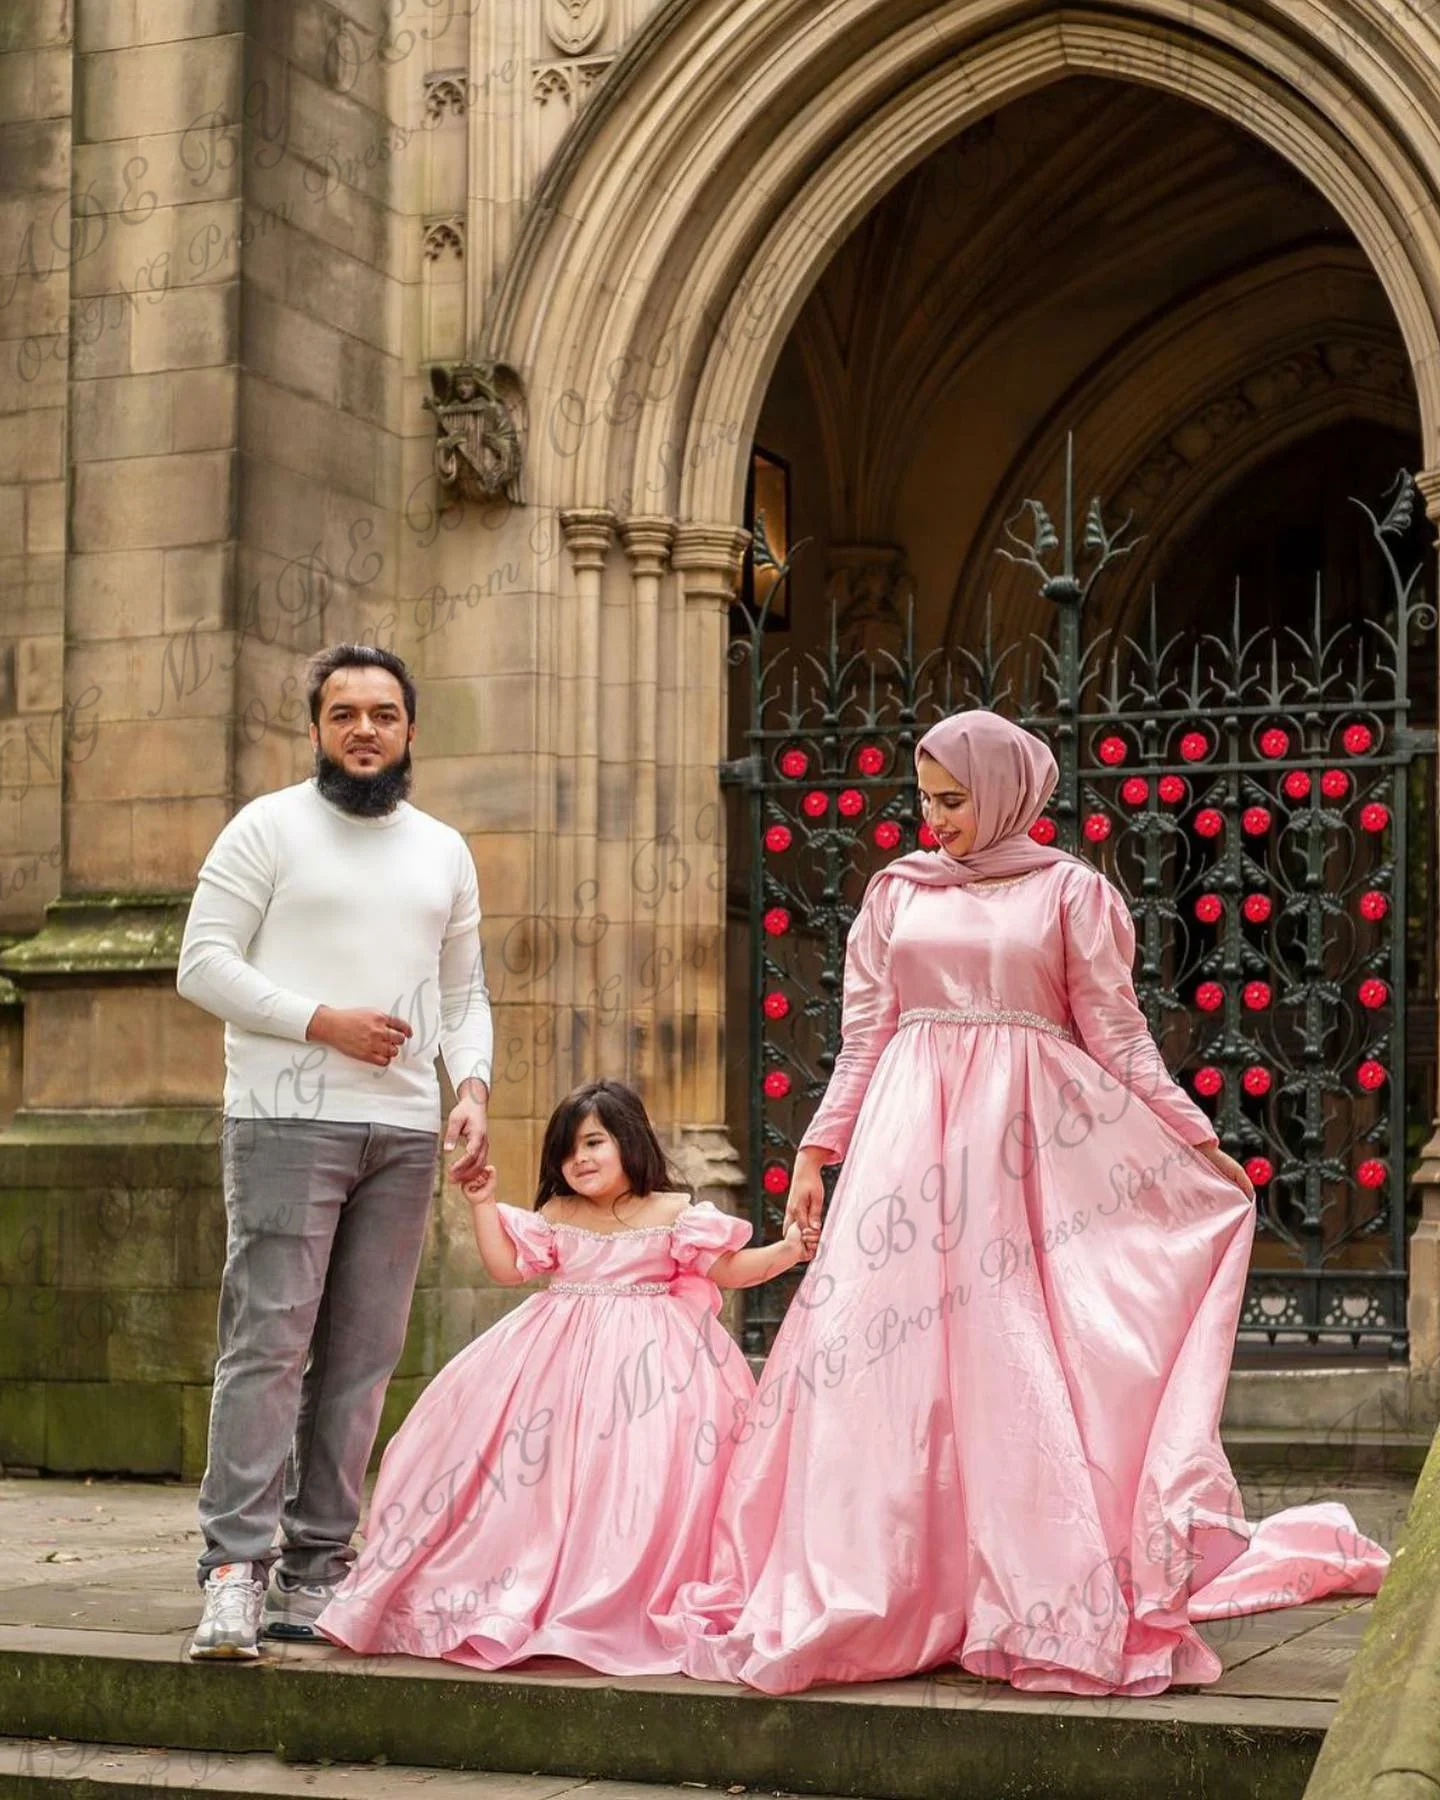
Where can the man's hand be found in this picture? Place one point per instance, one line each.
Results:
(372, 1037)
(470, 1122)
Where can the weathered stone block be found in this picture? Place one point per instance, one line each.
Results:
(304, 435)
(106, 1426)
(422, 1354)
(34, 454)
(56, 1334)
(204, 409)
(194, 1431)
(160, 1337)
(22, 1424)
(12, 518)
(122, 417)
(44, 518)
(116, 594)
(29, 24)
(38, 664)
(171, 838)
(400, 1396)
(197, 586)
(159, 87)
(35, 155)
(188, 328)
(153, 501)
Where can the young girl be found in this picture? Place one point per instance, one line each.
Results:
(557, 1481)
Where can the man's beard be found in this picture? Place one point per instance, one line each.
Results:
(366, 796)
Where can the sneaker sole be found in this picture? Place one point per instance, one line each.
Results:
(225, 1653)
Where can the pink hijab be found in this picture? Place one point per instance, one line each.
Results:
(1010, 775)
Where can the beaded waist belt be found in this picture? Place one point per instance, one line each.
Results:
(609, 1287)
(940, 1016)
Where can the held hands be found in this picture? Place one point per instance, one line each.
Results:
(483, 1189)
(469, 1123)
(807, 1193)
(800, 1246)
(1228, 1167)
(370, 1037)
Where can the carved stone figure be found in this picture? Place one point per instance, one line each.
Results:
(477, 452)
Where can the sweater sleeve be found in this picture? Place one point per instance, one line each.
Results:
(467, 1032)
(232, 893)
(1099, 958)
(869, 1011)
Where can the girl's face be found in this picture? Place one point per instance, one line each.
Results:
(593, 1168)
(946, 807)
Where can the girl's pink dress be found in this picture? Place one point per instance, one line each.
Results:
(988, 1432)
(557, 1481)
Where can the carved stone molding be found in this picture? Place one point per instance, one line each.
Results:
(709, 556)
(647, 539)
(445, 93)
(589, 533)
(571, 82)
(1428, 482)
(445, 234)
(573, 26)
(477, 410)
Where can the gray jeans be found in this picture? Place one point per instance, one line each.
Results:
(325, 1226)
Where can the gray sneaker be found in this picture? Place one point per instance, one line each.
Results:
(230, 1623)
(291, 1609)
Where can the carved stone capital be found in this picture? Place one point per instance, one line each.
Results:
(1428, 482)
(589, 533)
(647, 539)
(709, 557)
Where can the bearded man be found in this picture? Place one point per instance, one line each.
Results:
(335, 930)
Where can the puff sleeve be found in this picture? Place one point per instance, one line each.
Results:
(533, 1239)
(870, 1009)
(702, 1233)
(1099, 958)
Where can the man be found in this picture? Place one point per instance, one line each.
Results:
(335, 930)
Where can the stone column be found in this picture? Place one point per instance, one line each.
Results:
(581, 898)
(1424, 1299)
(708, 560)
(647, 543)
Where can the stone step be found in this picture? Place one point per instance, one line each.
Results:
(945, 1737)
(113, 1772)
(1360, 1454)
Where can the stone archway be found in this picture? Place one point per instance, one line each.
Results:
(661, 264)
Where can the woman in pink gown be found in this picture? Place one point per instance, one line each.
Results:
(988, 1432)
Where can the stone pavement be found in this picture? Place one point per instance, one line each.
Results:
(105, 1570)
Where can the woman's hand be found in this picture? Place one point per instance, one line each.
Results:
(1228, 1167)
(807, 1191)
(481, 1191)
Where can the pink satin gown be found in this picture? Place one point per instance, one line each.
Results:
(988, 1432)
(557, 1481)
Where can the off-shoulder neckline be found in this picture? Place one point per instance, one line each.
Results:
(625, 1230)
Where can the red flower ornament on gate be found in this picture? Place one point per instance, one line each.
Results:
(777, 1084)
(1208, 908)
(1371, 1173)
(775, 1005)
(1274, 742)
(777, 838)
(776, 1179)
(1172, 789)
(927, 838)
(1208, 1080)
(1209, 996)
(871, 759)
(1209, 823)
(1097, 827)
(1255, 821)
(1373, 993)
(851, 802)
(1370, 1075)
(1296, 785)
(1135, 791)
(1334, 784)
(1260, 1170)
(1257, 908)
(776, 921)
(1194, 746)
(1374, 817)
(1256, 1080)
(1358, 739)
(793, 764)
(1112, 751)
(887, 834)
(1373, 904)
(815, 803)
(1043, 831)
(1257, 995)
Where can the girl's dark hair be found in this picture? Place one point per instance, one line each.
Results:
(621, 1111)
(355, 656)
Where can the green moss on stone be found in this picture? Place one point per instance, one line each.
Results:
(105, 934)
(108, 1425)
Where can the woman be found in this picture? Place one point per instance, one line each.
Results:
(988, 1432)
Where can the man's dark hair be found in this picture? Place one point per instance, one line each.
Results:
(355, 656)
(622, 1112)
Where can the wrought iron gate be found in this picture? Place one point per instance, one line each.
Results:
(1252, 791)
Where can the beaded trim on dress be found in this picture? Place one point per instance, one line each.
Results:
(624, 1231)
(941, 1016)
(609, 1287)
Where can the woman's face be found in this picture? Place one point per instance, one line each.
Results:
(946, 807)
(593, 1168)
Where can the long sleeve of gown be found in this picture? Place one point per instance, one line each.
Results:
(869, 1010)
(1099, 959)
